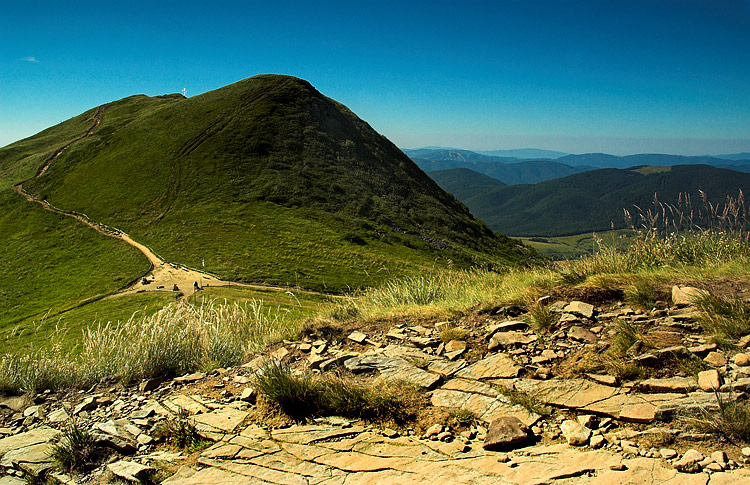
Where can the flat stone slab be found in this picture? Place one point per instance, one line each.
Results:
(223, 420)
(394, 368)
(179, 403)
(29, 438)
(481, 399)
(496, 366)
(307, 434)
(670, 384)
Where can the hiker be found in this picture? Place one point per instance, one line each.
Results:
(195, 286)
(175, 287)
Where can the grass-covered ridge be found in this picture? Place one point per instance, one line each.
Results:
(52, 263)
(267, 179)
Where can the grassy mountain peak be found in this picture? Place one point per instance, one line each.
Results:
(267, 179)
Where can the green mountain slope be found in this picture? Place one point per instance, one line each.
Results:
(464, 183)
(52, 263)
(594, 201)
(267, 179)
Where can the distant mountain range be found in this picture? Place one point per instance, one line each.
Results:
(512, 170)
(588, 201)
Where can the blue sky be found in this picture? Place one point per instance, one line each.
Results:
(577, 76)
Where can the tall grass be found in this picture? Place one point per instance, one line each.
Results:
(448, 292)
(725, 318)
(179, 338)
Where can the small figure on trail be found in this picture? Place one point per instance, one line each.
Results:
(144, 281)
(195, 286)
(175, 287)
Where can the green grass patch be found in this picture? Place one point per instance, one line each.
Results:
(67, 330)
(303, 395)
(52, 263)
(726, 319)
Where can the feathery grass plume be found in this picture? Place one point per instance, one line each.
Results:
(445, 293)
(724, 318)
(626, 335)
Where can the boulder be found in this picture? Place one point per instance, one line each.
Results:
(575, 433)
(580, 308)
(131, 471)
(689, 463)
(685, 295)
(504, 432)
(709, 380)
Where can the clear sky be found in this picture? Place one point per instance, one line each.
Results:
(669, 76)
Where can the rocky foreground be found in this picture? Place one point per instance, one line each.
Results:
(539, 416)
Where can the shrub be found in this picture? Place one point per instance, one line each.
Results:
(540, 318)
(76, 450)
(300, 396)
(180, 432)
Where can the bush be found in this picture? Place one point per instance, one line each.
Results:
(77, 450)
(180, 432)
(301, 396)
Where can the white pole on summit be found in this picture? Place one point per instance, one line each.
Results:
(184, 92)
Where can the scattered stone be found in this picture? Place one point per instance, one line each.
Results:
(580, 308)
(647, 360)
(454, 349)
(669, 384)
(358, 337)
(433, 431)
(744, 342)
(618, 467)
(510, 339)
(597, 441)
(741, 360)
(87, 404)
(575, 433)
(716, 358)
(689, 463)
(131, 471)
(668, 453)
(248, 394)
(709, 380)
(504, 432)
(150, 384)
(719, 457)
(187, 378)
(702, 350)
(582, 335)
(588, 420)
(605, 379)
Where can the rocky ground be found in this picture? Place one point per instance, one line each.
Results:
(534, 408)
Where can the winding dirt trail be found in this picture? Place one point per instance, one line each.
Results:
(163, 276)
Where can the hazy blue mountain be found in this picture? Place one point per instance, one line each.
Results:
(525, 172)
(524, 153)
(603, 160)
(452, 154)
(735, 156)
